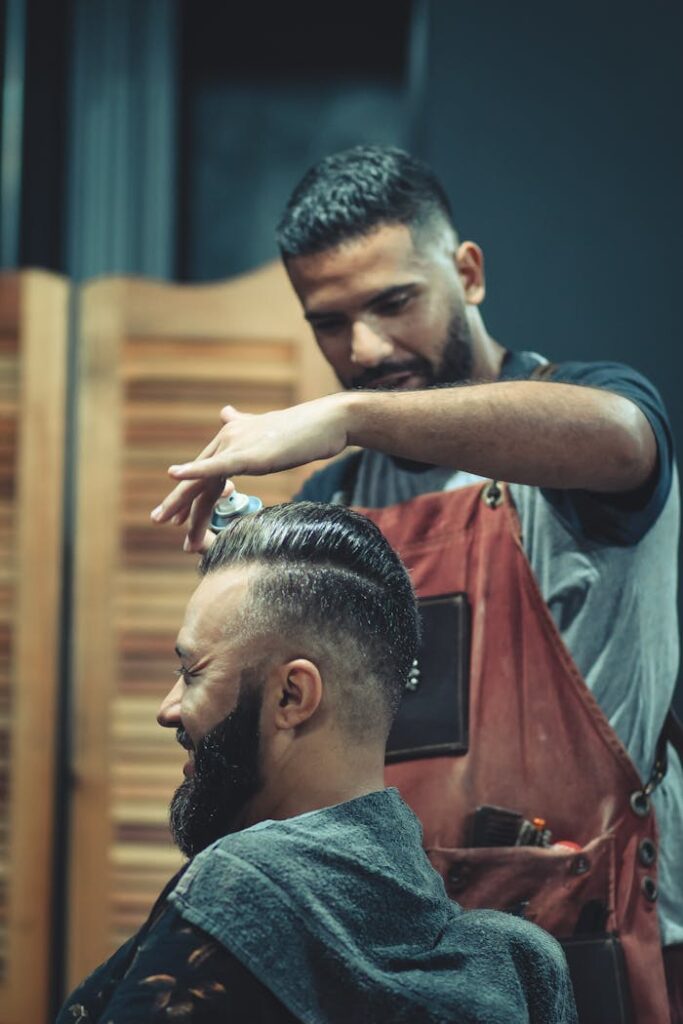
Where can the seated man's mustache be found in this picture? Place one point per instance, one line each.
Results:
(183, 739)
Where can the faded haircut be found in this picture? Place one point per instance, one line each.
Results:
(328, 578)
(354, 192)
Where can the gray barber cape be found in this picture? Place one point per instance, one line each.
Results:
(340, 914)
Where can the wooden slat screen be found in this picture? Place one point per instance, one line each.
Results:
(158, 363)
(33, 343)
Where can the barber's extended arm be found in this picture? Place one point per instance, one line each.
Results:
(533, 432)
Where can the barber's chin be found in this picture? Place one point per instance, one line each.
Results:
(188, 769)
(398, 382)
(413, 382)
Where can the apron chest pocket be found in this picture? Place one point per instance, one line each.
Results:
(432, 720)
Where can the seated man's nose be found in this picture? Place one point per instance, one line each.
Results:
(367, 347)
(169, 712)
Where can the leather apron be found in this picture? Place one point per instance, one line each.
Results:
(538, 743)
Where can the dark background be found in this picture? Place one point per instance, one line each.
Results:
(162, 137)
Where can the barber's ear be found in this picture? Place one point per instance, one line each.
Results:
(298, 691)
(469, 262)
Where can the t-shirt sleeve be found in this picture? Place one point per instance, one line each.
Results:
(329, 483)
(621, 518)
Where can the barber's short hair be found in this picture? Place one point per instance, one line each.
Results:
(327, 575)
(351, 193)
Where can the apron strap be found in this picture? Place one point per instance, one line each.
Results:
(672, 732)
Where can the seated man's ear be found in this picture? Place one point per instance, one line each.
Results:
(297, 689)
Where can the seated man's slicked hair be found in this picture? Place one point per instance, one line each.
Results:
(351, 193)
(326, 573)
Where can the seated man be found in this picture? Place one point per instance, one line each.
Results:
(308, 896)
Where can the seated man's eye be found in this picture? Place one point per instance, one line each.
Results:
(186, 675)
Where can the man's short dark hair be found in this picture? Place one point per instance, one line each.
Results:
(327, 575)
(351, 193)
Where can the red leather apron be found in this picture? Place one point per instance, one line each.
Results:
(538, 743)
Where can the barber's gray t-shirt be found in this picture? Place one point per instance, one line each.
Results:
(606, 567)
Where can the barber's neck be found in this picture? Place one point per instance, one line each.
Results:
(487, 353)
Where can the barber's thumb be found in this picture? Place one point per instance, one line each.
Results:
(228, 412)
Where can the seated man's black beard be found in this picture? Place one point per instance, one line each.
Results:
(210, 803)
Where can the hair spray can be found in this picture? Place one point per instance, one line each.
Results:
(227, 509)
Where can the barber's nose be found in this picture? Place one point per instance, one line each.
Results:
(368, 348)
(169, 712)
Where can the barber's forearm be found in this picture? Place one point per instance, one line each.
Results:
(534, 432)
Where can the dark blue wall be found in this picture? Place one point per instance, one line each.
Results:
(249, 146)
(557, 131)
(265, 96)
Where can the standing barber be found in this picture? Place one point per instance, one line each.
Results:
(564, 566)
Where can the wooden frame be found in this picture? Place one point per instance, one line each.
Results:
(33, 347)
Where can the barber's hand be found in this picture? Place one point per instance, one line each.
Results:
(253, 446)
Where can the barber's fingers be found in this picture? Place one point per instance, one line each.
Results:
(200, 514)
(177, 505)
(214, 459)
(177, 502)
(209, 538)
(219, 465)
(229, 413)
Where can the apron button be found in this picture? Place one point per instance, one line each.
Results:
(458, 877)
(647, 852)
(640, 803)
(492, 494)
(649, 887)
(580, 865)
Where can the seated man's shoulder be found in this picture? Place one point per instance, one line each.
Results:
(520, 937)
(509, 945)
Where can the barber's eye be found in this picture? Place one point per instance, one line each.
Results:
(329, 326)
(393, 306)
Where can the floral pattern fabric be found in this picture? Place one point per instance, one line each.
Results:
(171, 971)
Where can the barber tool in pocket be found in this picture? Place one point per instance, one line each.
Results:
(498, 826)
(565, 888)
(432, 718)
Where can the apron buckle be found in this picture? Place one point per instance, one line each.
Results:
(493, 494)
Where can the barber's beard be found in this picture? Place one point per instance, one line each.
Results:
(455, 365)
(211, 802)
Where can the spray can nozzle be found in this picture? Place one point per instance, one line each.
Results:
(227, 509)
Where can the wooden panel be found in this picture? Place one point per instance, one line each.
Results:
(158, 363)
(33, 336)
